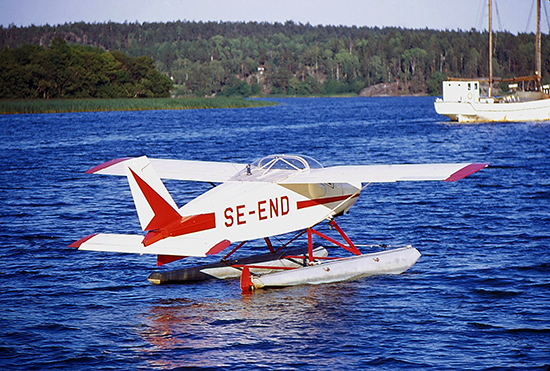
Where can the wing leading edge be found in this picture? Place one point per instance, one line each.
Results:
(209, 171)
(201, 171)
(385, 173)
(239, 205)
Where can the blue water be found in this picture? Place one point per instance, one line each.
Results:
(478, 298)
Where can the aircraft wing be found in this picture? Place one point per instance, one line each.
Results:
(202, 171)
(385, 173)
(263, 202)
(127, 243)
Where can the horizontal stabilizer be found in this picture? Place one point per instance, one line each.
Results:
(126, 243)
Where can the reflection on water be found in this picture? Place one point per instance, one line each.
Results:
(217, 332)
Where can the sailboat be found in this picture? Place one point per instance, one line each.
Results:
(462, 101)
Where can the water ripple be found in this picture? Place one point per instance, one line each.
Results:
(478, 299)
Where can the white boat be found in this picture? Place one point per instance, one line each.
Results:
(393, 261)
(462, 101)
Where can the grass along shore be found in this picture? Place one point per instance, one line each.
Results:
(141, 104)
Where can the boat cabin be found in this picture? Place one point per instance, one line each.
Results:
(461, 91)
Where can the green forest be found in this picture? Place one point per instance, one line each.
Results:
(76, 71)
(249, 59)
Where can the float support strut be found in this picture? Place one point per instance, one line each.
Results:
(309, 245)
(269, 245)
(352, 247)
(235, 249)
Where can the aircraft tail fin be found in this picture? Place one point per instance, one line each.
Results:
(157, 211)
(154, 205)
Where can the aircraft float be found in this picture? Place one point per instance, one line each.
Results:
(275, 195)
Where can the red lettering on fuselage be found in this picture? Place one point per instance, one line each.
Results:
(278, 207)
(261, 210)
(273, 208)
(285, 205)
(240, 215)
(228, 213)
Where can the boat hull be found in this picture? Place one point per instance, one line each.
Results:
(393, 261)
(536, 110)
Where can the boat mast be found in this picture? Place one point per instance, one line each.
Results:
(538, 71)
(491, 48)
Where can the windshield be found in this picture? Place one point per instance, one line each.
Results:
(286, 162)
(278, 166)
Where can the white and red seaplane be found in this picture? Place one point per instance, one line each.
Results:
(275, 195)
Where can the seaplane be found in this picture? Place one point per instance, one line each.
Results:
(276, 195)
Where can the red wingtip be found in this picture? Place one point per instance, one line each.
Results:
(79, 243)
(465, 171)
(219, 247)
(107, 164)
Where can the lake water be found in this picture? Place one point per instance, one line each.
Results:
(478, 298)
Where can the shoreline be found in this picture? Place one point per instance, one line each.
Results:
(39, 106)
(32, 106)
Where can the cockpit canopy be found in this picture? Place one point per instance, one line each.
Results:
(286, 162)
(276, 167)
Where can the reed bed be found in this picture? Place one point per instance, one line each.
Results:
(143, 104)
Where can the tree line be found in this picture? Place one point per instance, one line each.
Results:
(251, 58)
(76, 71)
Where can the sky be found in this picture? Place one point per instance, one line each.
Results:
(508, 15)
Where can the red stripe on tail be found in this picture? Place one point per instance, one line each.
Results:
(164, 212)
(184, 225)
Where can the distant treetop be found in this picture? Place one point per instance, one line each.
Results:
(251, 58)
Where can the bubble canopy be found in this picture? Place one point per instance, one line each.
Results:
(277, 165)
(286, 162)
